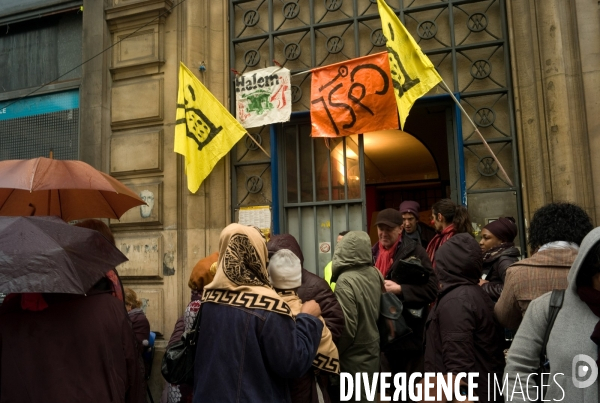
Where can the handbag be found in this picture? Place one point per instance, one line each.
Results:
(391, 324)
(409, 271)
(556, 301)
(177, 365)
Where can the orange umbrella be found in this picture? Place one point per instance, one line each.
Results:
(72, 190)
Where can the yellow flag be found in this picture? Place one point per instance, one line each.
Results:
(413, 73)
(205, 130)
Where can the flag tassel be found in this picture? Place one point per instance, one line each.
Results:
(479, 133)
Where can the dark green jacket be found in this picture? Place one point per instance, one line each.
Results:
(358, 289)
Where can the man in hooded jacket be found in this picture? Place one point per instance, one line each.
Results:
(358, 288)
(462, 334)
(573, 337)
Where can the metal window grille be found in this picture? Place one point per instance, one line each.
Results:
(322, 189)
(35, 126)
(466, 40)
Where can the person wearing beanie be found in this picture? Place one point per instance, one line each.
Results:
(414, 228)
(250, 344)
(285, 271)
(313, 288)
(462, 335)
(499, 253)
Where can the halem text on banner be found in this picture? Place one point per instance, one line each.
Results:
(263, 97)
(205, 131)
(413, 73)
(353, 97)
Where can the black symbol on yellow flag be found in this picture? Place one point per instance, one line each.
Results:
(396, 67)
(198, 126)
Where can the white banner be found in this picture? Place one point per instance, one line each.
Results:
(263, 96)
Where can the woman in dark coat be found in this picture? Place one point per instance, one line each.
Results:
(249, 344)
(139, 322)
(499, 253)
(202, 275)
(462, 334)
(77, 349)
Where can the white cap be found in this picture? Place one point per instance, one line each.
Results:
(285, 270)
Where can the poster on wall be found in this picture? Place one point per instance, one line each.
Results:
(263, 97)
(257, 216)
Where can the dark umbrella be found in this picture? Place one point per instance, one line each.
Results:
(44, 254)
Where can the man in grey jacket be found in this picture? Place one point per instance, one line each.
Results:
(570, 348)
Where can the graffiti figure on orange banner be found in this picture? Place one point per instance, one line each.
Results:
(353, 97)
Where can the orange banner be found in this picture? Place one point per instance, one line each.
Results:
(353, 97)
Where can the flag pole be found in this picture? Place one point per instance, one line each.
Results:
(477, 131)
(256, 142)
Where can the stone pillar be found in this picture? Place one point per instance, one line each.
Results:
(164, 240)
(551, 114)
(94, 116)
(588, 41)
(205, 40)
(142, 97)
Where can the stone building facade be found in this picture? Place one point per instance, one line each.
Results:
(544, 111)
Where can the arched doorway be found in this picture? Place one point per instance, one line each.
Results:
(414, 164)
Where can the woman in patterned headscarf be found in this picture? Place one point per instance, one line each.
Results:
(247, 333)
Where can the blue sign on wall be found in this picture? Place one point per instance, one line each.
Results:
(39, 105)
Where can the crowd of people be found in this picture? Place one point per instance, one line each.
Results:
(273, 331)
(269, 330)
(463, 308)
